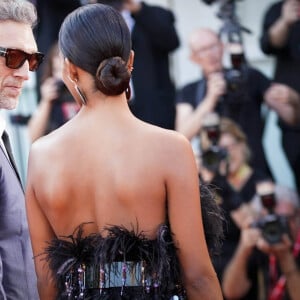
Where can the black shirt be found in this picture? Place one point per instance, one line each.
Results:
(244, 106)
(231, 199)
(287, 68)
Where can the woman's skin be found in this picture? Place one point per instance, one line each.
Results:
(107, 167)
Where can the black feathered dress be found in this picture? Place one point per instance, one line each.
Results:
(124, 264)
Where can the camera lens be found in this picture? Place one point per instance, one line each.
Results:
(272, 229)
(212, 158)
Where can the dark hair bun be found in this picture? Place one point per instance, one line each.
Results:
(112, 76)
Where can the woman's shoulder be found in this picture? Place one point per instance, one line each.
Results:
(40, 148)
(168, 138)
(170, 148)
(49, 148)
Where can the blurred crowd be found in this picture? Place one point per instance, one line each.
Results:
(225, 111)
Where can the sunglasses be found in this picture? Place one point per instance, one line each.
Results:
(15, 58)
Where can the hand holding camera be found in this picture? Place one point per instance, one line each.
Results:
(272, 225)
(280, 249)
(216, 86)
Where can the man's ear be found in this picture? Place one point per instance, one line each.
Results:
(193, 57)
(71, 70)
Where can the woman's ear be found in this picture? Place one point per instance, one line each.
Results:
(71, 70)
(130, 61)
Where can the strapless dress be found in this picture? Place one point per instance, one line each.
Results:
(121, 264)
(124, 264)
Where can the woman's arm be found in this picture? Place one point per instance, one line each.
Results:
(40, 232)
(185, 218)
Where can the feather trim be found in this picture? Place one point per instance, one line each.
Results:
(71, 256)
(213, 219)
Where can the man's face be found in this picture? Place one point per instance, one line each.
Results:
(19, 36)
(207, 52)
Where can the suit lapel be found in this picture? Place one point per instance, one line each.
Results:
(11, 159)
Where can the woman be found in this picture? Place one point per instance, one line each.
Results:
(225, 158)
(234, 178)
(105, 190)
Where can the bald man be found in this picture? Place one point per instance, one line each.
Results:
(243, 105)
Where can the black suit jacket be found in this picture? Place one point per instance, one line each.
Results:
(50, 17)
(17, 275)
(154, 37)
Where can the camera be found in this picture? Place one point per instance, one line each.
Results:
(63, 94)
(234, 80)
(236, 76)
(60, 86)
(212, 158)
(231, 25)
(272, 226)
(213, 155)
(232, 29)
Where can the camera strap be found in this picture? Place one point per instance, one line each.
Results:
(277, 288)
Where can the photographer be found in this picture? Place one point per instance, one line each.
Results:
(56, 105)
(280, 38)
(267, 258)
(243, 104)
(234, 179)
(154, 38)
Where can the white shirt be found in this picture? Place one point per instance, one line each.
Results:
(2, 128)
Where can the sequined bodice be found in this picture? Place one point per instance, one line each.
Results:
(122, 265)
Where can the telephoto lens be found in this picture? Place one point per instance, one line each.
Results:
(213, 155)
(272, 225)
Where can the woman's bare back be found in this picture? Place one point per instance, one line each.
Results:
(117, 172)
(105, 175)
(108, 168)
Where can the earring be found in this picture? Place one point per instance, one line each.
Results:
(78, 90)
(130, 68)
(81, 94)
(128, 92)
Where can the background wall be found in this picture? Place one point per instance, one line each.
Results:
(191, 14)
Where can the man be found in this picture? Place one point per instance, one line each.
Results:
(18, 55)
(154, 38)
(269, 251)
(240, 100)
(281, 39)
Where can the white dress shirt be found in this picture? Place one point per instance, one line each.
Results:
(2, 128)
